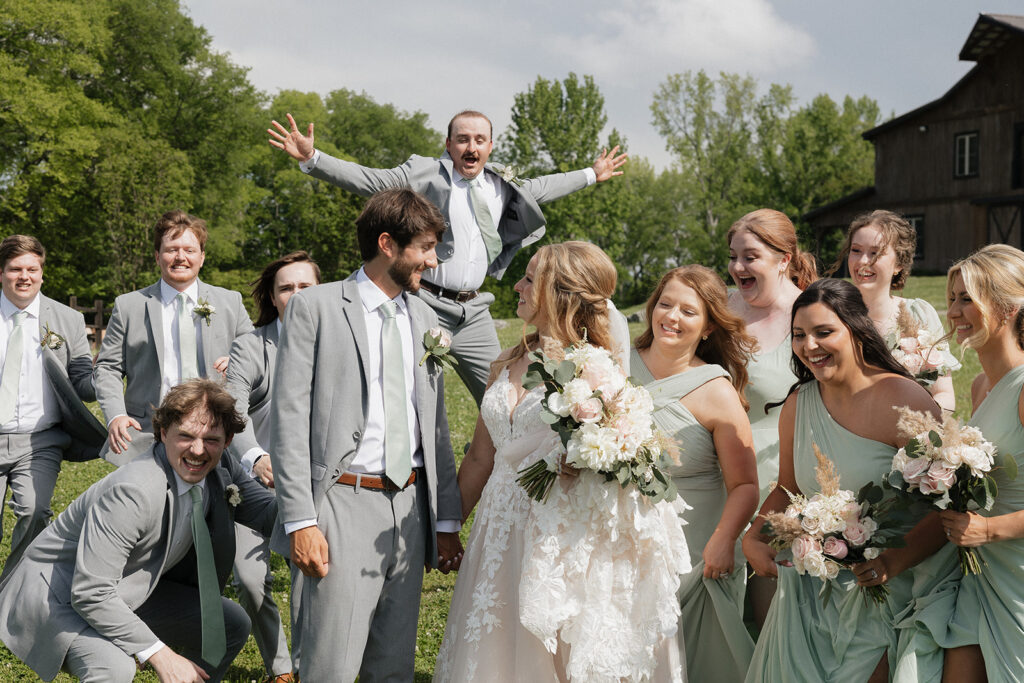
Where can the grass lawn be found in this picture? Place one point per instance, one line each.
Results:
(437, 588)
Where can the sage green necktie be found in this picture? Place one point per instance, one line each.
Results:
(214, 638)
(186, 340)
(11, 378)
(492, 241)
(397, 459)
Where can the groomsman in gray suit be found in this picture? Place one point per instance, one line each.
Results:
(47, 373)
(489, 214)
(176, 329)
(135, 565)
(249, 378)
(362, 460)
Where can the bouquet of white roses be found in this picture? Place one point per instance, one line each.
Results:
(924, 355)
(950, 465)
(835, 529)
(604, 423)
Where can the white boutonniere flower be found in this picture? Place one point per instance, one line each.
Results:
(438, 343)
(51, 339)
(204, 309)
(508, 174)
(233, 495)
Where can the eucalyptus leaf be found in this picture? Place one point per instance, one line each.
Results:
(564, 372)
(1009, 464)
(935, 438)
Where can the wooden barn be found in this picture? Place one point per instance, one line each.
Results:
(954, 166)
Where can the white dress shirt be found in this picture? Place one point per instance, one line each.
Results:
(36, 408)
(467, 267)
(172, 351)
(180, 544)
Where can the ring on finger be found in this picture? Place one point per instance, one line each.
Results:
(874, 574)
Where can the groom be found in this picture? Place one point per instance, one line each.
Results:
(362, 461)
(490, 216)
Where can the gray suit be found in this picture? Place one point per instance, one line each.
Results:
(475, 343)
(133, 349)
(360, 618)
(253, 358)
(30, 463)
(91, 573)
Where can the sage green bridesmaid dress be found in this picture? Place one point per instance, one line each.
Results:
(841, 639)
(990, 607)
(717, 645)
(770, 376)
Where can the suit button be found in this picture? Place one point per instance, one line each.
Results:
(355, 436)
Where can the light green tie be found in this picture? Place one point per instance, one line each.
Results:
(11, 377)
(492, 241)
(397, 459)
(214, 638)
(186, 340)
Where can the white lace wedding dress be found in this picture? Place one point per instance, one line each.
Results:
(580, 587)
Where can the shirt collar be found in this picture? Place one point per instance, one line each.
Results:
(184, 486)
(372, 296)
(167, 293)
(8, 309)
(279, 325)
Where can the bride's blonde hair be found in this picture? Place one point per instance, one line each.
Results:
(572, 283)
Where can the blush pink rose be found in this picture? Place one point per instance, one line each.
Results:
(916, 469)
(804, 546)
(933, 359)
(850, 511)
(835, 547)
(913, 363)
(587, 411)
(941, 476)
(856, 533)
(909, 344)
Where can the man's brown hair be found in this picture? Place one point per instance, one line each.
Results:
(14, 246)
(198, 394)
(401, 213)
(175, 222)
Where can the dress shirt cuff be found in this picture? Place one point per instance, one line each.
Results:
(448, 526)
(114, 418)
(588, 171)
(144, 655)
(309, 164)
(249, 459)
(291, 527)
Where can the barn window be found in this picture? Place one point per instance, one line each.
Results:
(966, 146)
(917, 223)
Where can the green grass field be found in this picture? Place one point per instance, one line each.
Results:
(437, 588)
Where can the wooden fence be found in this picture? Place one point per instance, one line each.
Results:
(95, 319)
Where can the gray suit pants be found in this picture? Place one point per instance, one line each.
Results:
(474, 340)
(173, 613)
(29, 465)
(361, 618)
(254, 583)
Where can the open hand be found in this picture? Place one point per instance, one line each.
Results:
(119, 436)
(297, 145)
(607, 164)
(173, 668)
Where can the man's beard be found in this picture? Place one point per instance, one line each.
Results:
(401, 273)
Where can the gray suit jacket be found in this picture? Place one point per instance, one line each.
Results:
(250, 371)
(69, 371)
(133, 349)
(104, 555)
(521, 224)
(319, 410)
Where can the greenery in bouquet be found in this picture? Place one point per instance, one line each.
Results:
(604, 423)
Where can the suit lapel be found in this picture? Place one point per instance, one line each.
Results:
(352, 306)
(423, 387)
(155, 320)
(219, 521)
(206, 334)
(171, 515)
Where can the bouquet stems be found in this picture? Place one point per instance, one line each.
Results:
(970, 563)
(877, 593)
(537, 479)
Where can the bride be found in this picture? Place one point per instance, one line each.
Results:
(581, 586)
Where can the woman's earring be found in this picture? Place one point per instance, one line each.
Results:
(704, 338)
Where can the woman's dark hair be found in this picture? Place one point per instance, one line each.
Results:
(846, 302)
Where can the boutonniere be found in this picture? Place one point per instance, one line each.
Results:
(438, 344)
(508, 174)
(233, 495)
(204, 309)
(51, 339)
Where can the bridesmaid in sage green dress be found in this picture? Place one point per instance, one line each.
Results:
(769, 271)
(685, 357)
(848, 383)
(986, 632)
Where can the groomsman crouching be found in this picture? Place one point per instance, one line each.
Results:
(135, 565)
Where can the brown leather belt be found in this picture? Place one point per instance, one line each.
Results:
(369, 481)
(451, 294)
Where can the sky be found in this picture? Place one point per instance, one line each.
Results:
(440, 58)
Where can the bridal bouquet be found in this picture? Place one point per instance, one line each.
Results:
(603, 420)
(924, 355)
(950, 465)
(835, 529)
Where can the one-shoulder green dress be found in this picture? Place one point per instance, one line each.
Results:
(841, 639)
(711, 630)
(771, 376)
(990, 607)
